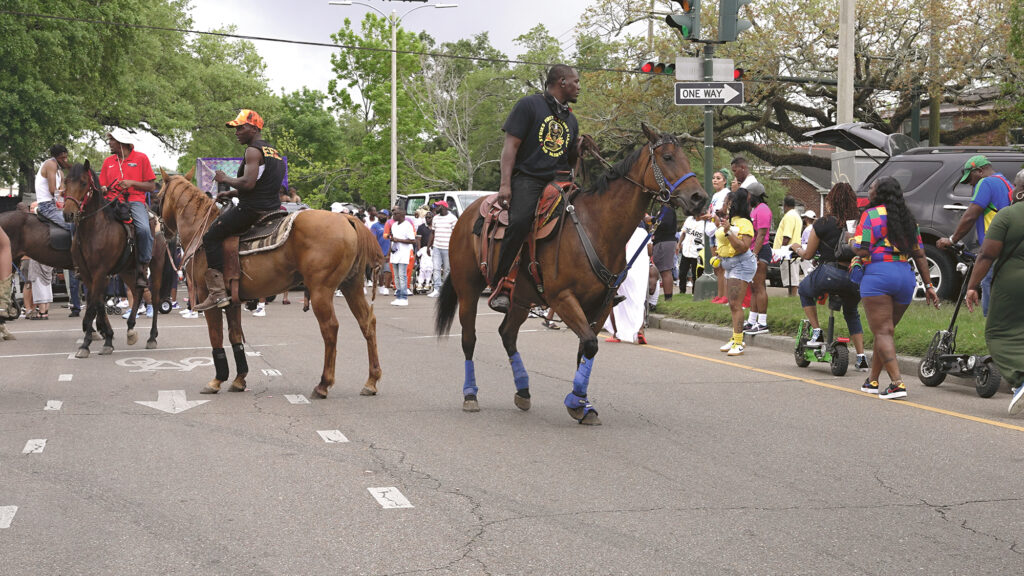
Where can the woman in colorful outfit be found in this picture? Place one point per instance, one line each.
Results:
(887, 237)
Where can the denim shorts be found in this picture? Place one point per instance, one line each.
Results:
(742, 267)
(894, 279)
(765, 254)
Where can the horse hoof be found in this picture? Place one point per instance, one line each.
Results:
(133, 337)
(237, 386)
(150, 344)
(318, 394)
(470, 405)
(591, 419)
(367, 391)
(576, 413)
(82, 353)
(208, 390)
(521, 403)
(107, 351)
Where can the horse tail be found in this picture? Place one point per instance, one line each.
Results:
(447, 304)
(368, 254)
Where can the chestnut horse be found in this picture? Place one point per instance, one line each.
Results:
(99, 251)
(607, 216)
(325, 251)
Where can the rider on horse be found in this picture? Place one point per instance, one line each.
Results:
(127, 172)
(257, 185)
(541, 144)
(49, 186)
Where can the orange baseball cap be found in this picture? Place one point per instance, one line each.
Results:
(246, 116)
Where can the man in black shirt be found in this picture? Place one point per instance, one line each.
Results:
(257, 186)
(663, 256)
(541, 145)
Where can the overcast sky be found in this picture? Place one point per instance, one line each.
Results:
(292, 66)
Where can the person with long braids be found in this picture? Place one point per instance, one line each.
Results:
(733, 238)
(832, 276)
(887, 237)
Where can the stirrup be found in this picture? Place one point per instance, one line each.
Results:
(501, 296)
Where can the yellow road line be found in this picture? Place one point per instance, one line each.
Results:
(842, 389)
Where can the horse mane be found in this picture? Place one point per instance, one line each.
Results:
(195, 198)
(76, 172)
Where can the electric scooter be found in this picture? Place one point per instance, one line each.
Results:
(833, 350)
(941, 358)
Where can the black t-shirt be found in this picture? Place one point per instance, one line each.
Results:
(424, 233)
(264, 195)
(666, 231)
(829, 235)
(547, 129)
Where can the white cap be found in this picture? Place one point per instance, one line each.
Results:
(121, 135)
(810, 214)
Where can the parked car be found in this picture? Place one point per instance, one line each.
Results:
(930, 179)
(457, 201)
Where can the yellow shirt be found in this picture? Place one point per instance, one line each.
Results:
(741, 227)
(790, 225)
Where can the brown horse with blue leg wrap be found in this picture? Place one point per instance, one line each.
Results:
(579, 265)
(325, 251)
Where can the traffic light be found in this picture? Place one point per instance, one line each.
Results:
(688, 23)
(729, 23)
(737, 74)
(658, 68)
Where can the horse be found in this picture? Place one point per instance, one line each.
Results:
(576, 286)
(99, 249)
(31, 237)
(324, 250)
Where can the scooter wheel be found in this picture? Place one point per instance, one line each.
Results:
(987, 379)
(840, 360)
(798, 355)
(928, 369)
(165, 306)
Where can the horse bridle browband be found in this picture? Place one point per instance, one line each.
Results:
(665, 191)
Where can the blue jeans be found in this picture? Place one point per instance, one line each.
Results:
(143, 235)
(829, 278)
(401, 280)
(73, 289)
(986, 291)
(50, 212)
(441, 263)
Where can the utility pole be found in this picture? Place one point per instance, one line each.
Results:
(844, 92)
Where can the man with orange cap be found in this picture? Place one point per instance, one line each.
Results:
(256, 186)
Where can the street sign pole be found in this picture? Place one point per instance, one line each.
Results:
(706, 287)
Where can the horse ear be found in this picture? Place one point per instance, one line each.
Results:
(652, 134)
(86, 165)
(190, 174)
(163, 174)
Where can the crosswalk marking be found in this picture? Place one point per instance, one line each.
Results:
(332, 436)
(389, 497)
(34, 446)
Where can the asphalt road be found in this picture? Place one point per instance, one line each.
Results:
(704, 465)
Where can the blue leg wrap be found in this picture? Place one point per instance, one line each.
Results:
(582, 378)
(519, 372)
(469, 387)
(574, 402)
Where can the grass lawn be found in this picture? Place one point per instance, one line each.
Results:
(913, 334)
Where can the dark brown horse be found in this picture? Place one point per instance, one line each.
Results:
(31, 237)
(607, 215)
(99, 250)
(325, 251)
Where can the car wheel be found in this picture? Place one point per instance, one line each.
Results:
(940, 270)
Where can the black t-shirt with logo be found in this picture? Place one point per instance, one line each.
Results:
(547, 130)
(264, 196)
(666, 231)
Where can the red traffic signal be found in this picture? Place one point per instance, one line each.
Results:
(658, 68)
(737, 74)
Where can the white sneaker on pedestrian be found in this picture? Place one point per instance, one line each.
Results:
(402, 302)
(433, 294)
(395, 302)
(190, 314)
(1017, 403)
(725, 347)
(736, 350)
(122, 303)
(382, 290)
(260, 311)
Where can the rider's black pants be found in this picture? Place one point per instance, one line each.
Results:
(526, 191)
(234, 221)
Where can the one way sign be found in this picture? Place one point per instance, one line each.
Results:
(709, 93)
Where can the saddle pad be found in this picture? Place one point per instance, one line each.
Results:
(60, 239)
(269, 233)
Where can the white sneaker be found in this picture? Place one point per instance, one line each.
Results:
(736, 350)
(402, 302)
(190, 314)
(725, 347)
(1017, 404)
(383, 290)
(396, 302)
(122, 303)
(260, 311)
(338, 292)
(433, 294)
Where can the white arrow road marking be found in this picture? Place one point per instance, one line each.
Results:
(253, 353)
(332, 436)
(7, 515)
(728, 93)
(271, 372)
(53, 405)
(296, 398)
(389, 497)
(172, 401)
(64, 378)
(34, 446)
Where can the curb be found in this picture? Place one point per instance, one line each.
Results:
(908, 364)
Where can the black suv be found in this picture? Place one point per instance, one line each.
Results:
(930, 178)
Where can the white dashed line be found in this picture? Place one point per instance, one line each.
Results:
(7, 516)
(53, 405)
(64, 378)
(34, 446)
(332, 436)
(389, 497)
(296, 398)
(271, 372)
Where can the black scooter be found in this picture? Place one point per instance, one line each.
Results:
(941, 358)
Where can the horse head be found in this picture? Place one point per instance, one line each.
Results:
(669, 174)
(79, 187)
(170, 198)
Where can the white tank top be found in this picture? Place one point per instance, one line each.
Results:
(43, 187)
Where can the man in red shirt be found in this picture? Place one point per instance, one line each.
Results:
(128, 174)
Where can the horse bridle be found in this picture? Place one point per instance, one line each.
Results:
(80, 213)
(665, 191)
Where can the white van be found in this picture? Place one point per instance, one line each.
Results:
(457, 201)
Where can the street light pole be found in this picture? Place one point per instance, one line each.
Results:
(394, 19)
